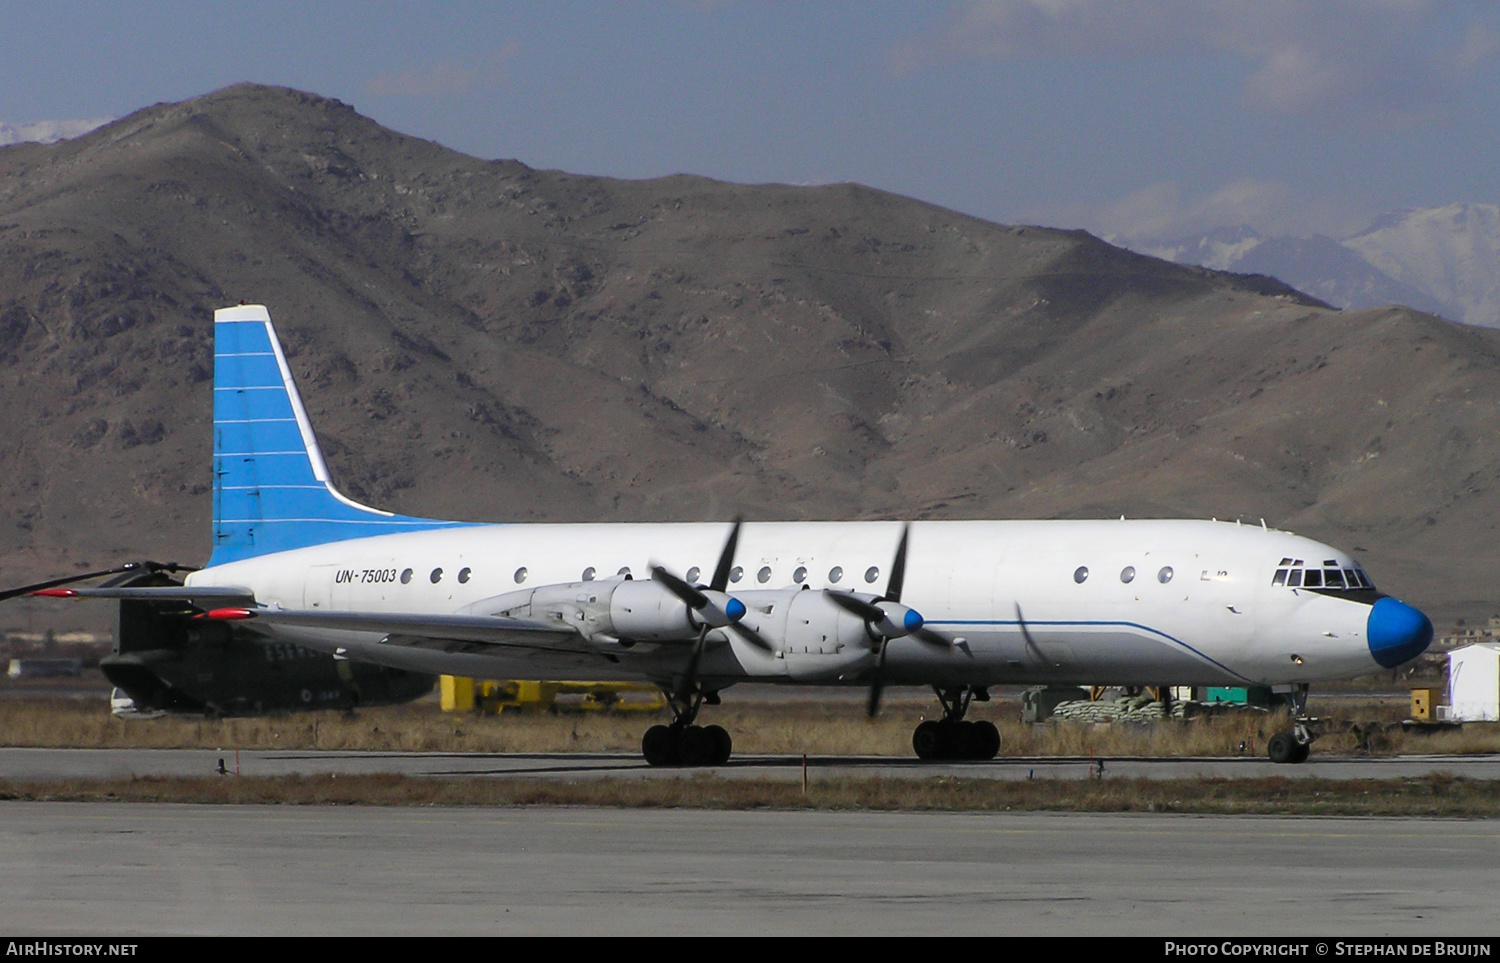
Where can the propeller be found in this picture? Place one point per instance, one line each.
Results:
(147, 566)
(711, 607)
(887, 619)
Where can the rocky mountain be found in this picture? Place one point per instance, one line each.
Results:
(1441, 260)
(478, 339)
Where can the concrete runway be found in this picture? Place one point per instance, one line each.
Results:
(33, 764)
(134, 869)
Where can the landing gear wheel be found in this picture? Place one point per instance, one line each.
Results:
(659, 746)
(963, 740)
(695, 747)
(986, 742)
(723, 745)
(1284, 748)
(928, 740)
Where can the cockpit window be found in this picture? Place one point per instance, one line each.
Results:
(1291, 574)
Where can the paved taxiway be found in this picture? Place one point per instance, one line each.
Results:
(32, 764)
(119, 869)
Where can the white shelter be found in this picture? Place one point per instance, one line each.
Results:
(1474, 683)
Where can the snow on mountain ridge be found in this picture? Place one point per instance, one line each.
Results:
(1451, 252)
(47, 131)
(1442, 260)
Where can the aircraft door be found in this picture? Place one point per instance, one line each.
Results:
(317, 588)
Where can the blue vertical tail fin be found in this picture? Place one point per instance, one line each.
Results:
(272, 491)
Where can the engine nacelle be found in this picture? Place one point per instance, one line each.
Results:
(815, 640)
(605, 611)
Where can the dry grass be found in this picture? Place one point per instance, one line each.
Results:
(819, 728)
(1431, 796)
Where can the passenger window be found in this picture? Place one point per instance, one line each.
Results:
(693, 573)
(1081, 574)
(1165, 575)
(764, 575)
(872, 573)
(736, 573)
(405, 576)
(588, 574)
(520, 575)
(463, 575)
(1127, 574)
(436, 576)
(800, 575)
(835, 574)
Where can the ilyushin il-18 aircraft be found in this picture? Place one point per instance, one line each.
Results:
(695, 608)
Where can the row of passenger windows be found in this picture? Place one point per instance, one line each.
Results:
(1127, 574)
(736, 574)
(1293, 574)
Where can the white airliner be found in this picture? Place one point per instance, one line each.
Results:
(698, 607)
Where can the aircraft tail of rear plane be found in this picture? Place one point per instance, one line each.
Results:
(272, 491)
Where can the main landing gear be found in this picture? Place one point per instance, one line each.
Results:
(1293, 745)
(684, 744)
(951, 737)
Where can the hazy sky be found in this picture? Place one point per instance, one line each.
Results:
(1147, 118)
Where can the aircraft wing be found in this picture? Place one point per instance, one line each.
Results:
(488, 629)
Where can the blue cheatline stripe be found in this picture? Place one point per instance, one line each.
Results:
(1132, 625)
(271, 489)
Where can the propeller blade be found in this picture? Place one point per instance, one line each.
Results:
(868, 611)
(1026, 634)
(720, 581)
(689, 680)
(928, 637)
(690, 596)
(69, 579)
(877, 682)
(898, 568)
(750, 635)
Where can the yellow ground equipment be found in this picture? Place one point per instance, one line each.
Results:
(519, 695)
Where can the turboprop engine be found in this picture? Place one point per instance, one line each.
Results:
(826, 636)
(612, 611)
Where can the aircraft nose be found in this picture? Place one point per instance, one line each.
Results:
(1397, 632)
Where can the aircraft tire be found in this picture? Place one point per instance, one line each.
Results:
(986, 741)
(695, 747)
(659, 746)
(963, 741)
(722, 743)
(1282, 748)
(1301, 752)
(929, 740)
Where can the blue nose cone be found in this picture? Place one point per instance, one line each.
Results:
(1397, 632)
(735, 609)
(913, 620)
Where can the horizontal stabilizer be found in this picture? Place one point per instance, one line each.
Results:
(202, 596)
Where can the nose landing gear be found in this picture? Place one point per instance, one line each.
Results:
(951, 737)
(1295, 744)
